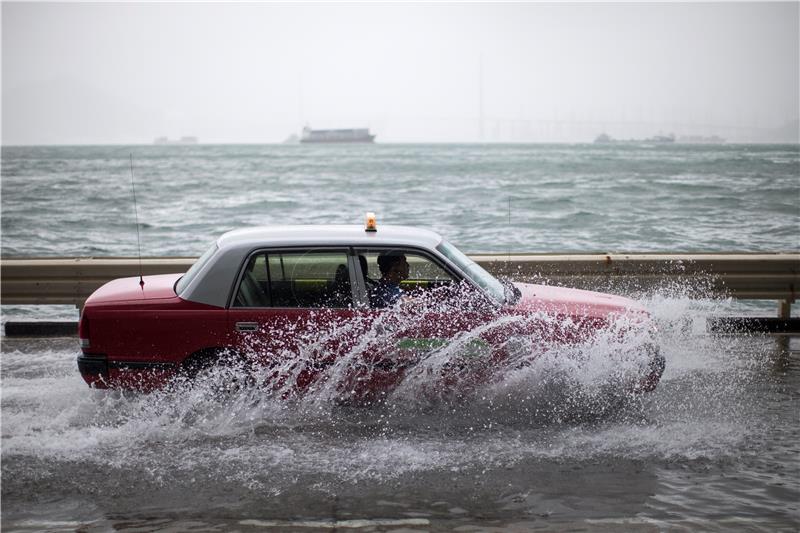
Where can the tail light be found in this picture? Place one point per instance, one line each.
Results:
(83, 331)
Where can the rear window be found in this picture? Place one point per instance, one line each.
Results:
(305, 279)
(196, 267)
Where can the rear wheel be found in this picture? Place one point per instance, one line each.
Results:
(224, 369)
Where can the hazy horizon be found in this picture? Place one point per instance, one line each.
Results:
(252, 73)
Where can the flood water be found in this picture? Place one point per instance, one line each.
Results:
(715, 447)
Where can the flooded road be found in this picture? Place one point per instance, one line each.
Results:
(715, 447)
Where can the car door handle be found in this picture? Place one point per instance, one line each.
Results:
(246, 326)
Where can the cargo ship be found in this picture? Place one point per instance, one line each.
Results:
(605, 138)
(356, 135)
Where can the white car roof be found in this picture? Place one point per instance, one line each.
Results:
(336, 235)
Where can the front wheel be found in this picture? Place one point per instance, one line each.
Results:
(655, 369)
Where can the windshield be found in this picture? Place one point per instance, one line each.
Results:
(474, 271)
(196, 267)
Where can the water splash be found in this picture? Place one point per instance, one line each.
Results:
(543, 399)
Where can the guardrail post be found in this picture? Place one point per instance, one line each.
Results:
(784, 313)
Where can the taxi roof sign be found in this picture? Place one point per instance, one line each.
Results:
(370, 223)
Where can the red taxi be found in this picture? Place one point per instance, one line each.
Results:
(298, 300)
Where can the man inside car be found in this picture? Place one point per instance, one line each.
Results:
(394, 269)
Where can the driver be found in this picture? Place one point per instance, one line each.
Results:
(394, 269)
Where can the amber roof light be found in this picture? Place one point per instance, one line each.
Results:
(369, 222)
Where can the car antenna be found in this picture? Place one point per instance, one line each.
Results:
(138, 240)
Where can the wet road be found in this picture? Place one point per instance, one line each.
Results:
(715, 448)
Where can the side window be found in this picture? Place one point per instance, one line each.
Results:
(391, 273)
(305, 279)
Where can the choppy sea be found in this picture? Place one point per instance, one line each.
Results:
(715, 448)
(561, 198)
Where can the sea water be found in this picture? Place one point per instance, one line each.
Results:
(715, 447)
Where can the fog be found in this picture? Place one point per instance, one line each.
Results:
(75, 73)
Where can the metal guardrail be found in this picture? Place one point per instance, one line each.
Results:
(753, 276)
(73, 280)
(745, 276)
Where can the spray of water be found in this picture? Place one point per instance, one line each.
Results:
(446, 405)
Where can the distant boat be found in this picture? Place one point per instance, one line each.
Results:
(605, 138)
(661, 139)
(182, 140)
(356, 135)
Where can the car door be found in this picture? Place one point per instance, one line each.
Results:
(290, 312)
(435, 306)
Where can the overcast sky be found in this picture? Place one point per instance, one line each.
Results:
(75, 73)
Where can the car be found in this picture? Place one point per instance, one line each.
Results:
(313, 307)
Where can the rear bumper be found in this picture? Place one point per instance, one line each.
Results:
(94, 369)
(93, 364)
(98, 372)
